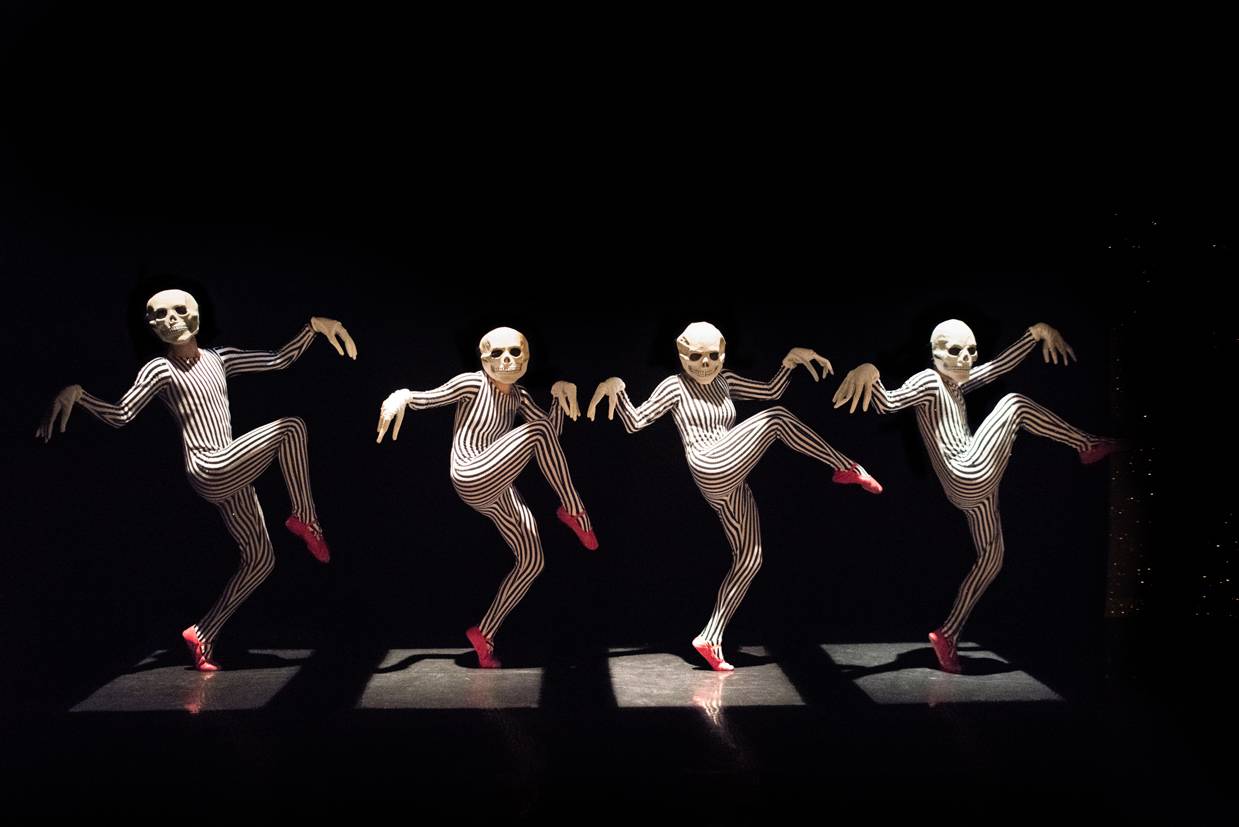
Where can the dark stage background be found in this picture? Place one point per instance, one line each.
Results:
(288, 168)
(124, 555)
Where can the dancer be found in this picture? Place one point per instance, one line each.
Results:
(192, 382)
(488, 454)
(970, 465)
(721, 454)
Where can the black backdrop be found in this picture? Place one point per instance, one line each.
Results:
(422, 215)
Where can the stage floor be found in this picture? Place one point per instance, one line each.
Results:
(863, 728)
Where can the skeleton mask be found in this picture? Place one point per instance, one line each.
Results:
(954, 349)
(505, 354)
(173, 316)
(702, 350)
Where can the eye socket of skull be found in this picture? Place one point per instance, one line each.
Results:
(954, 350)
(496, 353)
(514, 351)
(161, 312)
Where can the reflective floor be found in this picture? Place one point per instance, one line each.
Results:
(859, 728)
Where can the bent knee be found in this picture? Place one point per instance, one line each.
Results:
(531, 567)
(541, 428)
(1016, 399)
(294, 424)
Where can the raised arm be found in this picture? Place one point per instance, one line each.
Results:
(530, 411)
(863, 385)
(1052, 348)
(743, 388)
(259, 361)
(635, 417)
(150, 380)
(454, 390)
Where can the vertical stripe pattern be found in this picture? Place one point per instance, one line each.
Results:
(720, 457)
(220, 469)
(970, 465)
(488, 454)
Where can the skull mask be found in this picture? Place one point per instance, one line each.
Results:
(954, 349)
(702, 350)
(172, 316)
(505, 355)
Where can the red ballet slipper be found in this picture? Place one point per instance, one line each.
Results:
(587, 538)
(1100, 451)
(483, 646)
(197, 650)
(312, 536)
(857, 476)
(944, 648)
(713, 653)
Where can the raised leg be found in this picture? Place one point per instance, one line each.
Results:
(990, 448)
(219, 475)
(483, 479)
(729, 461)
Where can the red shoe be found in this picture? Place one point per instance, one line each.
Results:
(857, 476)
(197, 650)
(587, 538)
(944, 648)
(312, 536)
(484, 648)
(713, 653)
(1100, 451)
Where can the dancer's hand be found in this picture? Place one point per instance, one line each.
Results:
(565, 394)
(857, 385)
(62, 406)
(331, 329)
(393, 407)
(806, 357)
(609, 388)
(1052, 343)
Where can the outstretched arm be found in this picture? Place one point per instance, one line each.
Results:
(635, 417)
(454, 390)
(863, 385)
(743, 388)
(1052, 348)
(151, 379)
(563, 399)
(237, 360)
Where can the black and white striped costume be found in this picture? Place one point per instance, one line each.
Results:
(488, 454)
(970, 465)
(220, 468)
(721, 455)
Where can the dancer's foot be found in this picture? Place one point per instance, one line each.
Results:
(198, 650)
(713, 653)
(944, 648)
(313, 537)
(577, 524)
(483, 646)
(1100, 450)
(857, 476)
